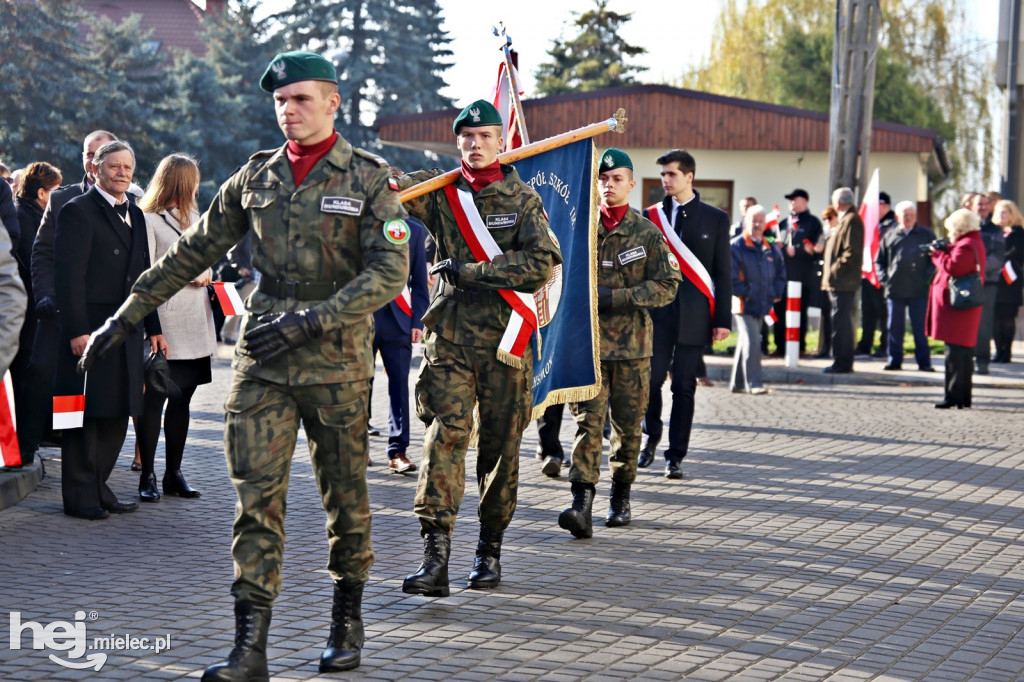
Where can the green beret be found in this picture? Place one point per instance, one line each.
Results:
(292, 67)
(479, 113)
(614, 158)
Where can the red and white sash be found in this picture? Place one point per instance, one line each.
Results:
(523, 321)
(691, 268)
(404, 300)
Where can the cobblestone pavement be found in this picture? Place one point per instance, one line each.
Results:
(822, 532)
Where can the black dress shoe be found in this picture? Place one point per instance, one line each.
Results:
(892, 368)
(673, 470)
(175, 484)
(147, 488)
(122, 507)
(88, 514)
(372, 431)
(929, 368)
(944, 405)
(982, 369)
(837, 370)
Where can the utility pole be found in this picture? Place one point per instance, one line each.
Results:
(854, 56)
(1008, 79)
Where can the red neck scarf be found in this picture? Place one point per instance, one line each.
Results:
(303, 157)
(612, 216)
(481, 177)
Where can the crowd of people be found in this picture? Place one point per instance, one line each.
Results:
(335, 268)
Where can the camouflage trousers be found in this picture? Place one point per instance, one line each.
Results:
(261, 424)
(625, 388)
(453, 380)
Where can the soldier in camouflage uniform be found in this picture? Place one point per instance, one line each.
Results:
(465, 363)
(329, 239)
(636, 271)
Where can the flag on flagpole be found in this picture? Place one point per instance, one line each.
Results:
(504, 103)
(1009, 274)
(869, 214)
(9, 450)
(772, 219)
(227, 296)
(69, 410)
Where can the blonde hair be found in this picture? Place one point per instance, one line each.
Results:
(174, 185)
(960, 222)
(1015, 216)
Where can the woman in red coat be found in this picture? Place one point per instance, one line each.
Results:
(957, 328)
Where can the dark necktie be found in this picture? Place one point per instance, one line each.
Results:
(122, 210)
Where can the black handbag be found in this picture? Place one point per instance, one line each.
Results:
(967, 291)
(158, 375)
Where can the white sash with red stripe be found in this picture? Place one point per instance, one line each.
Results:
(523, 321)
(689, 265)
(10, 453)
(404, 300)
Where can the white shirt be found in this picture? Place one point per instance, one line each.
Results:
(112, 200)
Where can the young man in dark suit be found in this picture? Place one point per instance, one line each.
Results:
(100, 249)
(698, 234)
(397, 326)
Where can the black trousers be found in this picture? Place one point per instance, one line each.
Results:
(549, 427)
(874, 315)
(842, 328)
(684, 362)
(87, 456)
(35, 406)
(959, 372)
(1005, 328)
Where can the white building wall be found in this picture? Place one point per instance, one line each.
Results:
(769, 176)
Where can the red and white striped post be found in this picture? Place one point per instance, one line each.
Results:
(793, 291)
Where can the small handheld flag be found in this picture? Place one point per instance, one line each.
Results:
(227, 296)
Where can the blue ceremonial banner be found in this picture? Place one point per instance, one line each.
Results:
(569, 365)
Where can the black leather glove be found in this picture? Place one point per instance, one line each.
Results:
(46, 308)
(278, 333)
(604, 299)
(448, 270)
(105, 339)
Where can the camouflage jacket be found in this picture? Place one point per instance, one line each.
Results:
(528, 255)
(330, 229)
(635, 263)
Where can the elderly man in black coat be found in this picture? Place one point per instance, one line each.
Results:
(100, 249)
(698, 235)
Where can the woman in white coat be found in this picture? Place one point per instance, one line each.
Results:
(187, 321)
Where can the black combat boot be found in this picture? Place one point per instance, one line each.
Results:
(577, 518)
(618, 506)
(432, 577)
(345, 642)
(247, 662)
(486, 571)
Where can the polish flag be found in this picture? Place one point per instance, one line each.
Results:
(1009, 274)
(8, 425)
(502, 100)
(771, 318)
(68, 411)
(772, 219)
(869, 214)
(227, 296)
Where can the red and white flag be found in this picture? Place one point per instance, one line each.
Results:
(869, 214)
(1009, 274)
(771, 318)
(503, 102)
(227, 296)
(772, 219)
(69, 410)
(8, 424)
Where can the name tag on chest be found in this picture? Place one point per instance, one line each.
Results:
(632, 255)
(342, 205)
(500, 220)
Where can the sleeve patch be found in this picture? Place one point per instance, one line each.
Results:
(396, 231)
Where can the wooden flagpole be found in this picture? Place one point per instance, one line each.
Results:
(616, 123)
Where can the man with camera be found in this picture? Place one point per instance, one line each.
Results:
(904, 271)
